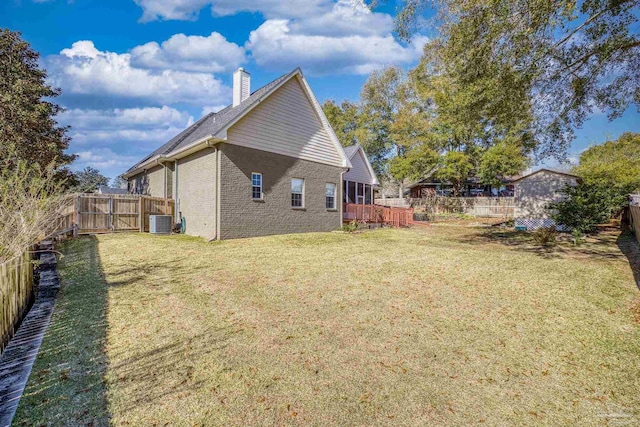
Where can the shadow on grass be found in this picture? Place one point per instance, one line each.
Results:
(67, 384)
(165, 372)
(602, 246)
(631, 249)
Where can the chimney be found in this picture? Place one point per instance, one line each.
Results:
(241, 86)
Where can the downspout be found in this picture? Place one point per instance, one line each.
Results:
(176, 200)
(217, 203)
(342, 197)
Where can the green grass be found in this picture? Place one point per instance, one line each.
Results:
(66, 386)
(431, 326)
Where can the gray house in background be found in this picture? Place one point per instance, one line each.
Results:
(534, 192)
(267, 164)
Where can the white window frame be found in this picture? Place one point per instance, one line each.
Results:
(302, 194)
(261, 186)
(335, 192)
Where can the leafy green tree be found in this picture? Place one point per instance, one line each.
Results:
(345, 119)
(88, 180)
(499, 161)
(455, 167)
(568, 56)
(586, 205)
(28, 128)
(614, 163)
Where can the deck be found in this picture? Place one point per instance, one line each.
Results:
(375, 214)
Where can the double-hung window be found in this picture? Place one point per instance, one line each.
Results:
(330, 196)
(256, 186)
(297, 193)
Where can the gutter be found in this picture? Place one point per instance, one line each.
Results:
(151, 162)
(207, 141)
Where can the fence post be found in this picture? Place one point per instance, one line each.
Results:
(110, 214)
(141, 218)
(78, 215)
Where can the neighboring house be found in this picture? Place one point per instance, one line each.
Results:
(103, 189)
(534, 192)
(359, 181)
(267, 164)
(472, 187)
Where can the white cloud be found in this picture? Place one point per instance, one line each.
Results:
(189, 9)
(345, 18)
(276, 46)
(102, 137)
(85, 70)
(107, 161)
(210, 54)
(125, 117)
(143, 127)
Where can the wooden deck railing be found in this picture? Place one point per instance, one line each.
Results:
(374, 214)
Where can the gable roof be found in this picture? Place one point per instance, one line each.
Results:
(214, 125)
(570, 175)
(351, 151)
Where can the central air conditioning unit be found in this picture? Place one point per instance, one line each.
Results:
(160, 224)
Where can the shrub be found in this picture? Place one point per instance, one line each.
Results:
(350, 227)
(577, 236)
(29, 206)
(587, 205)
(545, 236)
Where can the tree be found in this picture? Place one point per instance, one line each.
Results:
(28, 129)
(614, 163)
(345, 121)
(119, 182)
(569, 56)
(586, 205)
(499, 161)
(472, 128)
(88, 180)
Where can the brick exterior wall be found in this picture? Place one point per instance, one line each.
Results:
(197, 192)
(240, 216)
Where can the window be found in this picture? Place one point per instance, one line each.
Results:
(330, 196)
(351, 194)
(297, 193)
(256, 186)
(368, 195)
(360, 194)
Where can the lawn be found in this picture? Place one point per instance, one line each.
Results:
(441, 325)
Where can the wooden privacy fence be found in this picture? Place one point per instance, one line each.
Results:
(373, 214)
(16, 294)
(481, 207)
(634, 219)
(98, 213)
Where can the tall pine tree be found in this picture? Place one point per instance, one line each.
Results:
(28, 128)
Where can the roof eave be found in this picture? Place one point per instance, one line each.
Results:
(155, 160)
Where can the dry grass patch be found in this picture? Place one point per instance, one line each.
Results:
(431, 326)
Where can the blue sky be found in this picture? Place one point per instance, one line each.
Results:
(133, 73)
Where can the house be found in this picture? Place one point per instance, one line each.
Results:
(267, 164)
(471, 187)
(534, 192)
(359, 181)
